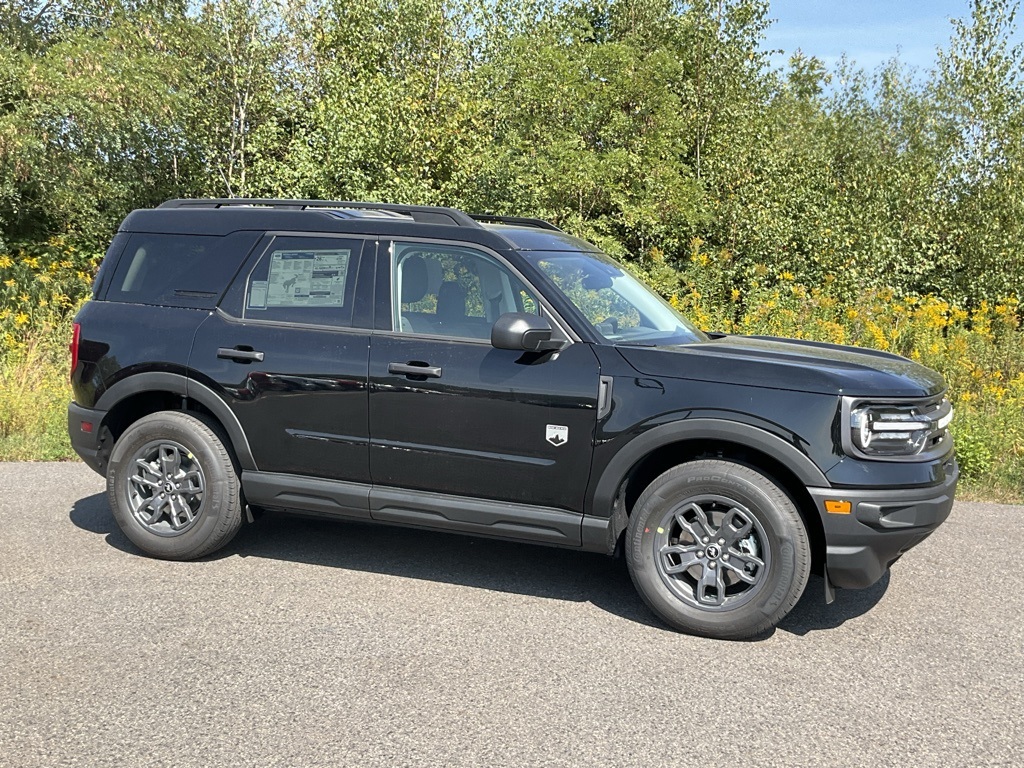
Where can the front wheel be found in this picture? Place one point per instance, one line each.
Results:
(716, 548)
(173, 487)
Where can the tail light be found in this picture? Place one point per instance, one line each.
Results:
(76, 333)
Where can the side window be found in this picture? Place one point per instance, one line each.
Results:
(304, 280)
(451, 291)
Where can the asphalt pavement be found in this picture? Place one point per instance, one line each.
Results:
(311, 643)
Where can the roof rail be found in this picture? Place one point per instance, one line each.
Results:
(515, 220)
(424, 214)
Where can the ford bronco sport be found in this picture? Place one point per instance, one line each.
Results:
(494, 376)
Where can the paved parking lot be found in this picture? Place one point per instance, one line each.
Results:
(319, 643)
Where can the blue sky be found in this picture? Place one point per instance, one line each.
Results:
(869, 31)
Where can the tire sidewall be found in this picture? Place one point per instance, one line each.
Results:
(217, 479)
(787, 571)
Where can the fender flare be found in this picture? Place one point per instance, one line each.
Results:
(603, 499)
(176, 383)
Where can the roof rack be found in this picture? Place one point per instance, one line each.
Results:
(424, 214)
(514, 220)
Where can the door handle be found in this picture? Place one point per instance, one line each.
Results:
(240, 354)
(415, 369)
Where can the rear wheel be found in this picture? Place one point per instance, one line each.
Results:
(173, 487)
(716, 548)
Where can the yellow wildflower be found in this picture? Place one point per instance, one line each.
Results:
(21, 319)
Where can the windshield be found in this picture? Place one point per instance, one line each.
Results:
(619, 307)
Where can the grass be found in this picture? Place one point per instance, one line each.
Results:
(33, 412)
(980, 352)
(36, 392)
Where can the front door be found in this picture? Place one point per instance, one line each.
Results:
(452, 415)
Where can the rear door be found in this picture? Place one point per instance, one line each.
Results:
(287, 350)
(450, 414)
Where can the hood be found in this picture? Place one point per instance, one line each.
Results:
(805, 366)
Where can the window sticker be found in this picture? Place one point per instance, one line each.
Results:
(307, 278)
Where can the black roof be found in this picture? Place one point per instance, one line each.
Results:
(223, 216)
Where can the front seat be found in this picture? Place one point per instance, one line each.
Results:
(414, 288)
(451, 314)
(451, 303)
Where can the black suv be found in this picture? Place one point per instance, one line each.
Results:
(493, 376)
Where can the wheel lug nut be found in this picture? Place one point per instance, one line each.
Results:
(711, 564)
(706, 539)
(725, 556)
(721, 541)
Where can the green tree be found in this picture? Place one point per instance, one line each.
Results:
(88, 101)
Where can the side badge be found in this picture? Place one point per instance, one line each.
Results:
(557, 434)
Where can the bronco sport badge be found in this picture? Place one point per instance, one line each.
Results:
(557, 435)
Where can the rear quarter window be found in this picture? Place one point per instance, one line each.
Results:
(177, 270)
(102, 280)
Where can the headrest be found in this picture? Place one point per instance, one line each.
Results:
(451, 302)
(414, 279)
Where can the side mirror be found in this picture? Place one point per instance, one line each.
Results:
(524, 332)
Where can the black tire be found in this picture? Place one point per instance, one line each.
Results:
(742, 574)
(174, 508)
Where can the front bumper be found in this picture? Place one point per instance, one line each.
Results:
(880, 527)
(91, 445)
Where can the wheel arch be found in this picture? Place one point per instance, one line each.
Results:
(661, 448)
(136, 396)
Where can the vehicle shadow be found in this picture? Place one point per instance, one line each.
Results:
(812, 613)
(467, 561)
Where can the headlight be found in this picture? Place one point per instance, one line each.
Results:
(903, 430)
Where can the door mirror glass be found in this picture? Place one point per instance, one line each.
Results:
(523, 332)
